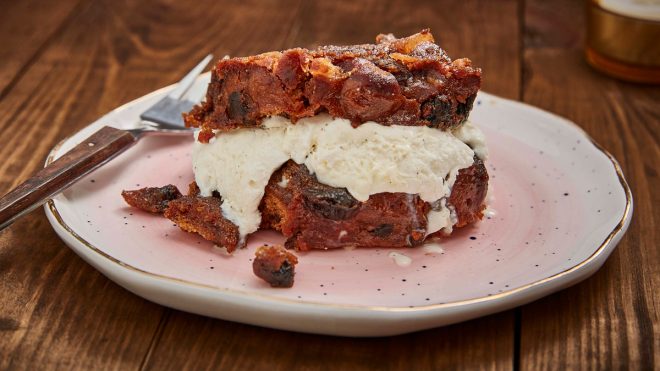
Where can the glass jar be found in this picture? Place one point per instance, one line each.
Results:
(623, 39)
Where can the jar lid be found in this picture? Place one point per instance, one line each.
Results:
(641, 9)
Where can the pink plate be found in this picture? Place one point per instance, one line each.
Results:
(560, 204)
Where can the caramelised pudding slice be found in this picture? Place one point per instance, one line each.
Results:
(360, 146)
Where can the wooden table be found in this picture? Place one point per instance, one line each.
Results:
(64, 63)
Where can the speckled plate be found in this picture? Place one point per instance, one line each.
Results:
(560, 204)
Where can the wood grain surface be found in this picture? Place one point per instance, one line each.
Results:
(65, 63)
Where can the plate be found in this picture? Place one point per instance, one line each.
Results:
(559, 206)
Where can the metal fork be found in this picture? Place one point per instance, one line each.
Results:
(164, 117)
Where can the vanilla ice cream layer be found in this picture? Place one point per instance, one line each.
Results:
(366, 160)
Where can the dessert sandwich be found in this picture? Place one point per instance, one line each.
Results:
(340, 146)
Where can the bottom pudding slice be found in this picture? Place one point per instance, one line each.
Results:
(312, 215)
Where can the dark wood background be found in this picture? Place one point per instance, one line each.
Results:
(64, 63)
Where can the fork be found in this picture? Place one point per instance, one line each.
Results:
(164, 117)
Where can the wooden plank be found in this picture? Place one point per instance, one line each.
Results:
(610, 321)
(192, 342)
(197, 343)
(26, 27)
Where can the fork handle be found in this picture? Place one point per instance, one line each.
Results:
(93, 152)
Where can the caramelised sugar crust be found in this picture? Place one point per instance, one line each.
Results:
(408, 81)
(312, 215)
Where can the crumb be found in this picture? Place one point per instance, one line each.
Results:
(203, 215)
(152, 199)
(275, 265)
